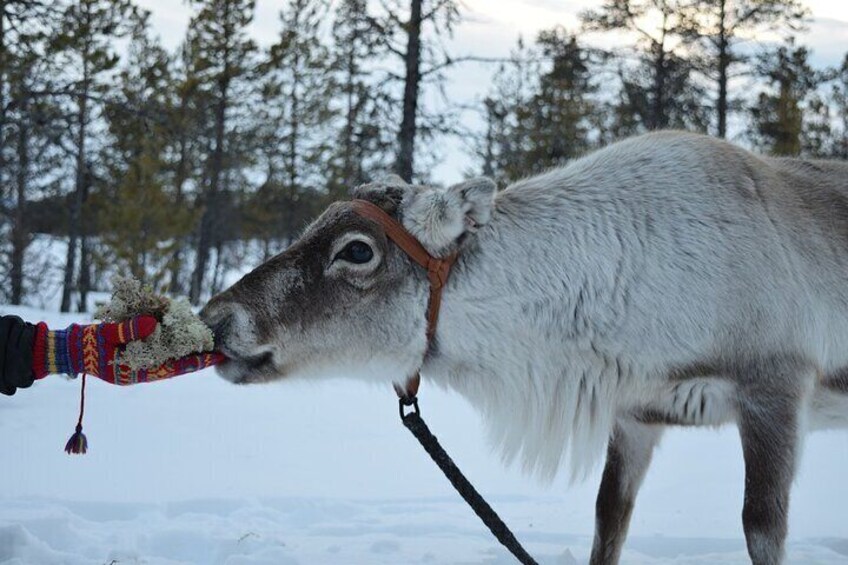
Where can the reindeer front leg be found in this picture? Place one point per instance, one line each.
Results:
(628, 457)
(769, 428)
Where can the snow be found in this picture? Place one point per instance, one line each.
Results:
(196, 470)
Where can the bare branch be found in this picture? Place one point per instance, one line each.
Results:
(435, 10)
(451, 61)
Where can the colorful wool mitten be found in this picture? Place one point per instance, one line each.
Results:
(95, 350)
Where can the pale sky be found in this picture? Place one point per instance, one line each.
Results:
(491, 28)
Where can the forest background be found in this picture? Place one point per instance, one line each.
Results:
(185, 142)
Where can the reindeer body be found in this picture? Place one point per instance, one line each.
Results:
(670, 279)
(640, 280)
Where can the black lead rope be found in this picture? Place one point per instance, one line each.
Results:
(428, 441)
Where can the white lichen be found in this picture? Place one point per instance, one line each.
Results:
(180, 331)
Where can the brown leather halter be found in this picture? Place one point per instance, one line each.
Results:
(438, 270)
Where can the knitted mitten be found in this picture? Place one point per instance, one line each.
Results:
(95, 350)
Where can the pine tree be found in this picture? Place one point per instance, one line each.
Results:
(563, 106)
(510, 106)
(682, 100)
(720, 26)
(222, 55)
(19, 31)
(85, 45)
(777, 118)
(825, 126)
(540, 115)
(663, 71)
(363, 144)
(184, 130)
(509, 127)
(839, 101)
(298, 85)
(24, 25)
(487, 148)
(138, 219)
(410, 30)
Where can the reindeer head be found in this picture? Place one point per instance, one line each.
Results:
(344, 298)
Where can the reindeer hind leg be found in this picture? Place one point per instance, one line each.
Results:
(771, 402)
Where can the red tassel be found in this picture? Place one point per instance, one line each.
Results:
(78, 444)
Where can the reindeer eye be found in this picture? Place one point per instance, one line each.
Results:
(356, 252)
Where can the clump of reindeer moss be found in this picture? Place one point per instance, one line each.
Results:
(180, 331)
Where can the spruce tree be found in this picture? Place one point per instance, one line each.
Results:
(508, 119)
(663, 69)
(222, 58)
(410, 32)
(184, 115)
(137, 216)
(24, 70)
(363, 138)
(563, 106)
(680, 106)
(825, 129)
(721, 26)
(540, 113)
(839, 102)
(295, 120)
(85, 45)
(777, 117)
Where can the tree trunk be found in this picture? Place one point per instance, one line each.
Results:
(217, 271)
(210, 222)
(85, 249)
(294, 97)
(16, 273)
(659, 118)
(181, 175)
(789, 122)
(405, 165)
(78, 198)
(723, 65)
(347, 165)
(70, 264)
(75, 231)
(658, 106)
(20, 232)
(175, 286)
(4, 66)
(211, 212)
(84, 273)
(489, 148)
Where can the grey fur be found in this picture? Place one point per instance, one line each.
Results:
(667, 279)
(628, 457)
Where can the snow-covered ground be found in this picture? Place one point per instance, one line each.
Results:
(195, 470)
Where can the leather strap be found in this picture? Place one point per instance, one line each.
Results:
(438, 271)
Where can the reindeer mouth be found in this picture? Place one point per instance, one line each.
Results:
(245, 369)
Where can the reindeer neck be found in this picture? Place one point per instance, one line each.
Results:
(535, 277)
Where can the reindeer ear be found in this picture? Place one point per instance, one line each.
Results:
(478, 198)
(440, 217)
(387, 192)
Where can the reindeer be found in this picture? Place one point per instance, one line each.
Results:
(667, 280)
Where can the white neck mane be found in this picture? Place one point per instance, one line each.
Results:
(528, 315)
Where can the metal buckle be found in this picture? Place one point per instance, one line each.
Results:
(406, 401)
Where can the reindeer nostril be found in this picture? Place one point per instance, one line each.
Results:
(221, 329)
(219, 318)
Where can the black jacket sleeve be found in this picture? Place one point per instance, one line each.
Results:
(16, 340)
